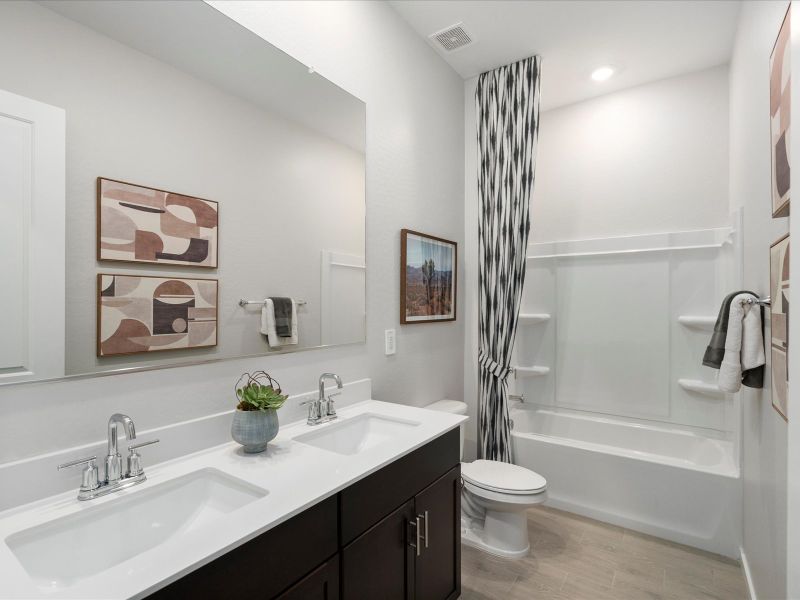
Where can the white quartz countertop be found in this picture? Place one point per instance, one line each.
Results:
(296, 476)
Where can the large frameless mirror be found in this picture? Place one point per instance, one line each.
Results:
(165, 172)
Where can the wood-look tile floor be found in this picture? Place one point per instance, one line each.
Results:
(575, 558)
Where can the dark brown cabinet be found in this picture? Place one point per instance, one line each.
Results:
(393, 535)
(438, 566)
(380, 563)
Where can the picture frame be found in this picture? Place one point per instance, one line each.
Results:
(779, 124)
(428, 278)
(146, 225)
(779, 324)
(139, 314)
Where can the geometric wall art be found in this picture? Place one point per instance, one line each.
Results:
(779, 323)
(779, 103)
(138, 313)
(146, 225)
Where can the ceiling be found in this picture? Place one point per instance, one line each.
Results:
(644, 40)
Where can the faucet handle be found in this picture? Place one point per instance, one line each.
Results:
(331, 407)
(135, 447)
(89, 478)
(134, 463)
(314, 412)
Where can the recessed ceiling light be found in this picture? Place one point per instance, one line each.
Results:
(602, 73)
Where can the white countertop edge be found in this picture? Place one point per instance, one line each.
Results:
(290, 492)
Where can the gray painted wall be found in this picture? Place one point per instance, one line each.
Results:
(764, 450)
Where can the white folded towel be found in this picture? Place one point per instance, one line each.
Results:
(268, 325)
(744, 344)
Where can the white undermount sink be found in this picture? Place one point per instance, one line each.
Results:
(61, 552)
(356, 434)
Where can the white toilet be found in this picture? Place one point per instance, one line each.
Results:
(494, 499)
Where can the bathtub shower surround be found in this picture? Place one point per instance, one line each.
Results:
(507, 108)
(626, 424)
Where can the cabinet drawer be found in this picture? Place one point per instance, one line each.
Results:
(267, 565)
(321, 584)
(366, 502)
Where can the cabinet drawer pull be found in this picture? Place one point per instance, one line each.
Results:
(416, 545)
(424, 537)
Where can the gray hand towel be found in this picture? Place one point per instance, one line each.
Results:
(715, 351)
(283, 316)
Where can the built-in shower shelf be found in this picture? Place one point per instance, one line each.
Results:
(700, 387)
(531, 318)
(697, 321)
(534, 371)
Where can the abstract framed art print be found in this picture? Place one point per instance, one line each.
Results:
(780, 84)
(141, 313)
(427, 278)
(147, 225)
(779, 324)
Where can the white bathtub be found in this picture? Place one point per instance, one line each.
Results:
(660, 480)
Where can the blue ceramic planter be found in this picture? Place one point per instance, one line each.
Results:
(254, 428)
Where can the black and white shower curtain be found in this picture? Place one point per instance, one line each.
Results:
(507, 103)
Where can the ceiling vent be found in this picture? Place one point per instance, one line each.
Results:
(451, 38)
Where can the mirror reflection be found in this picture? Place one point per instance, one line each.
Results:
(174, 189)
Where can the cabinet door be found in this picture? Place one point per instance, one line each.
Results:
(379, 564)
(321, 584)
(438, 566)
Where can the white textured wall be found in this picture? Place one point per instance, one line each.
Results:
(414, 179)
(648, 159)
(793, 450)
(764, 451)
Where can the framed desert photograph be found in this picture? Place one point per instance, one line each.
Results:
(427, 278)
(779, 103)
(140, 313)
(147, 225)
(779, 322)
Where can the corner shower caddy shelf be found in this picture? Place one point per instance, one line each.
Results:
(700, 387)
(697, 321)
(531, 318)
(534, 371)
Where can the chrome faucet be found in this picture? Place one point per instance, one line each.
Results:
(115, 477)
(113, 458)
(322, 409)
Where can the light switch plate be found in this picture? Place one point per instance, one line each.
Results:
(390, 344)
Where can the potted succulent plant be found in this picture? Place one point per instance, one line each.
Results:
(255, 421)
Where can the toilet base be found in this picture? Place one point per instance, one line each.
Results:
(501, 534)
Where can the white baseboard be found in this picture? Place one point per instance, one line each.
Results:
(751, 591)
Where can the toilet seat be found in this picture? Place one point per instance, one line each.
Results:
(502, 478)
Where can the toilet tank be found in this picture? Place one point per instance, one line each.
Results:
(455, 407)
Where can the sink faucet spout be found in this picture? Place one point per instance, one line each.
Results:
(113, 459)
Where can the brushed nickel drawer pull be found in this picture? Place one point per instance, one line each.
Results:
(425, 537)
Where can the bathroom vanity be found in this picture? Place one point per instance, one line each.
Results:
(365, 506)
(394, 534)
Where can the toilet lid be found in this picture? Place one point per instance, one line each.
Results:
(502, 477)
